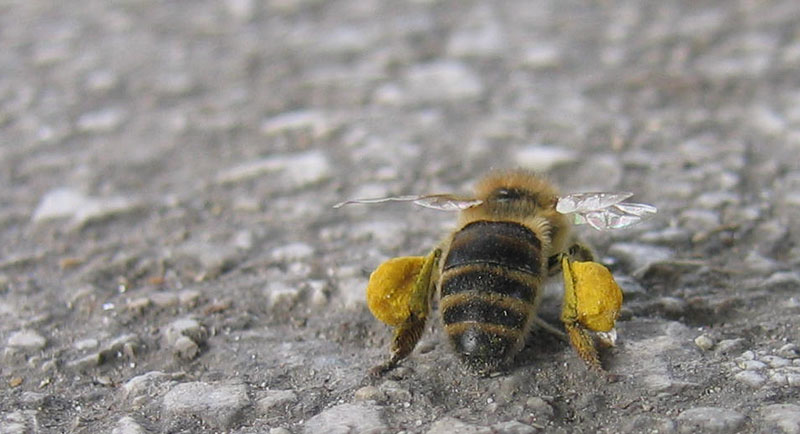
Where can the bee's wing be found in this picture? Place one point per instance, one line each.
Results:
(442, 202)
(585, 202)
(604, 210)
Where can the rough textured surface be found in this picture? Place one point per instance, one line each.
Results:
(170, 262)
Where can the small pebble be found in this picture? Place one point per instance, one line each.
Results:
(448, 425)
(86, 344)
(781, 418)
(751, 365)
(69, 203)
(185, 348)
(542, 158)
(672, 305)
(27, 339)
(369, 393)
(347, 418)
(789, 351)
(164, 299)
(395, 392)
(189, 297)
(729, 346)
(281, 294)
(188, 327)
(513, 427)
(541, 408)
(101, 121)
(750, 378)
(704, 342)
(85, 363)
(292, 252)
(146, 384)
(709, 420)
(305, 120)
(295, 170)
(276, 400)
(138, 305)
(647, 423)
(128, 425)
(217, 404)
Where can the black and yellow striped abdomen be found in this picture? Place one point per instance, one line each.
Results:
(489, 288)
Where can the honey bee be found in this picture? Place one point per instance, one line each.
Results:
(510, 237)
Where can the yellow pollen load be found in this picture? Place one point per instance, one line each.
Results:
(391, 287)
(598, 296)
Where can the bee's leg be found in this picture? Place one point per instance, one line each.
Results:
(577, 251)
(583, 343)
(579, 337)
(405, 339)
(408, 334)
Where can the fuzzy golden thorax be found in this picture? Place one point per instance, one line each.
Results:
(523, 197)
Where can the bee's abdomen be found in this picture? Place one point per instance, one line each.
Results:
(508, 244)
(490, 281)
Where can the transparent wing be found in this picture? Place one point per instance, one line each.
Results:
(604, 211)
(585, 202)
(441, 202)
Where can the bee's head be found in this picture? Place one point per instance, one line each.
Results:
(516, 192)
(520, 195)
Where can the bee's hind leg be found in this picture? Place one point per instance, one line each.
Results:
(408, 333)
(405, 339)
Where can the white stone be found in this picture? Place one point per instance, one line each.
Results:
(347, 419)
(783, 418)
(128, 425)
(292, 252)
(750, 378)
(281, 293)
(58, 203)
(101, 121)
(217, 404)
(27, 339)
(789, 351)
(704, 342)
(541, 55)
(450, 425)
(276, 400)
(709, 420)
(86, 344)
(187, 327)
(145, 384)
(70, 203)
(542, 158)
(751, 365)
(513, 427)
(303, 120)
(295, 170)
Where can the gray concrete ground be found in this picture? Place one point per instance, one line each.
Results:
(170, 261)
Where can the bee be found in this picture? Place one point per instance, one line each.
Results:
(511, 235)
